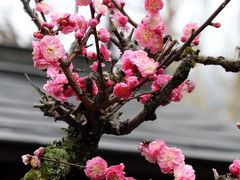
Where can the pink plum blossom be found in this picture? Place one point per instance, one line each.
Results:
(91, 55)
(177, 93)
(82, 23)
(103, 35)
(161, 71)
(161, 80)
(96, 168)
(93, 22)
(169, 159)
(105, 52)
(94, 66)
(144, 36)
(48, 25)
(145, 98)
(39, 152)
(184, 172)
(43, 7)
(234, 168)
(132, 60)
(53, 71)
(83, 51)
(109, 83)
(147, 66)
(190, 86)
(99, 7)
(143, 148)
(153, 6)
(187, 32)
(119, 20)
(35, 162)
(156, 146)
(127, 66)
(132, 81)
(148, 38)
(51, 48)
(26, 159)
(158, 44)
(47, 52)
(115, 172)
(58, 88)
(216, 24)
(66, 22)
(122, 90)
(152, 150)
(38, 35)
(79, 35)
(154, 22)
(83, 2)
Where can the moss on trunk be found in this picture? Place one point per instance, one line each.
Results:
(74, 148)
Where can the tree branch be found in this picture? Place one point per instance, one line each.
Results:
(230, 65)
(88, 103)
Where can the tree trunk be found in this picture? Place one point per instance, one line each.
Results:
(77, 147)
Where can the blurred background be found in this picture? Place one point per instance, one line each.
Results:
(206, 132)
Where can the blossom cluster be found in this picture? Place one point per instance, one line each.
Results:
(97, 169)
(48, 51)
(33, 160)
(149, 33)
(138, 62)
(169, 159)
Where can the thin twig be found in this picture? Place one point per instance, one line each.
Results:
(44, 18)
(63, 162)
(100, 60)
(34, 16)
(41, 93)
(166, 51)
(197, 32)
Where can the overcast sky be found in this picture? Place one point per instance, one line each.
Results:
(213, 41)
